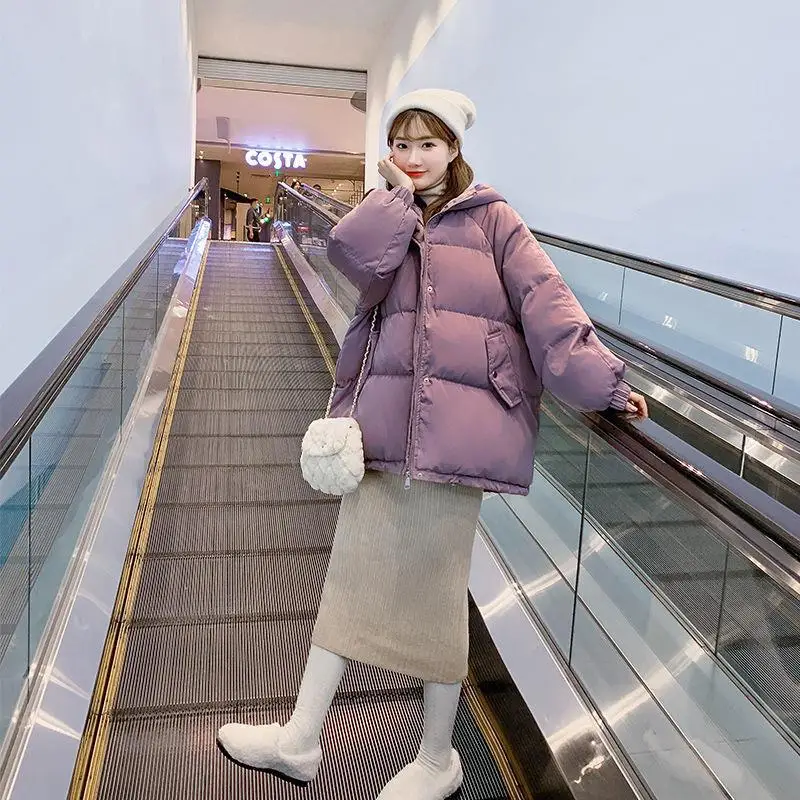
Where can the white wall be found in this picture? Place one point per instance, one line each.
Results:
(407, 36)
(669, 130)
(98, 103)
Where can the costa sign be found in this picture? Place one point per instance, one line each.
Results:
(275, 158)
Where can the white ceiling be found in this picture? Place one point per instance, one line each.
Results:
(340, 34)
(272, 120)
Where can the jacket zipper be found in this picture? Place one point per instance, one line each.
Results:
(416, 359)
(418, 336)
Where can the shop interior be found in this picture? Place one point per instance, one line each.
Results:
(249, 140)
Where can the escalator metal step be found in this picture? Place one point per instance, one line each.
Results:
(271, 585)
(261, 381)
(256, 350)
(191, 666)
(218, 301)
(255, 364)
(209, 529)
(216, 451)
(233, 485)
(260, 315)
(262, 337)
(365, 742)
(233, 423)
(249, 400)
(227, 327)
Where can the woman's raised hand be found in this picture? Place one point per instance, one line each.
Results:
(393, 174)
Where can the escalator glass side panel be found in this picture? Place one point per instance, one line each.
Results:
(597, 284)
(15, 498)
(735, 338)
(774, 479)
(308, 229)
(687, 649)
(539, 577)
(50, 490)
(759, 639)
(752, 448)
(747, 342)
(659, 752)
(662, 538)
(787, 375)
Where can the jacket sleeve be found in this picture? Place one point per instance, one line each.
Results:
(563, 345)
(371, 241)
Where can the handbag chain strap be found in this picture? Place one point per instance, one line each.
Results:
(361, 372)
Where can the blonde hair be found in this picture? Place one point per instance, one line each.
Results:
(459, 174)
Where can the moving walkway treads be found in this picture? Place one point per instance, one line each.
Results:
(274, 337)
(208, 327)
(284, 302)
(249, 349)
(263, 315)
(231, 381)
(312, 363)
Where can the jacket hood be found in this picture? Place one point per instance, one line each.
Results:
(478, 195)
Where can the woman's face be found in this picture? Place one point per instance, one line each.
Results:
(422, 156)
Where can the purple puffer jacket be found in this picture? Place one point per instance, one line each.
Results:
(474, 322)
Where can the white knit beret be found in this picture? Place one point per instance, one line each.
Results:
(456, 110)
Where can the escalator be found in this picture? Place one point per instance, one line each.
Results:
(639, 636)
(226, 565)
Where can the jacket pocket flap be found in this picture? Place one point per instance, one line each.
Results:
(502, 374)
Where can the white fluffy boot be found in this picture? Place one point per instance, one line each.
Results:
(292, 749)
(436, 773)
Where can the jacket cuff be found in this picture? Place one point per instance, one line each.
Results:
(619, 398)
(405, 194)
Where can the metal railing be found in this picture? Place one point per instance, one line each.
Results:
(62, 437)
(13, 438)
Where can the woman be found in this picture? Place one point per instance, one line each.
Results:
(474, 322)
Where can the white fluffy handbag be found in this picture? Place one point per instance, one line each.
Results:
(332, 453)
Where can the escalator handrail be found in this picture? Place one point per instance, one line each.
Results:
(742, 392)
(764, 524)
(725, 287)
(332, 218)
(13, 439)
(327, 198)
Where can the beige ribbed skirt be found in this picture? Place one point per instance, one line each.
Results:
(395, 595)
